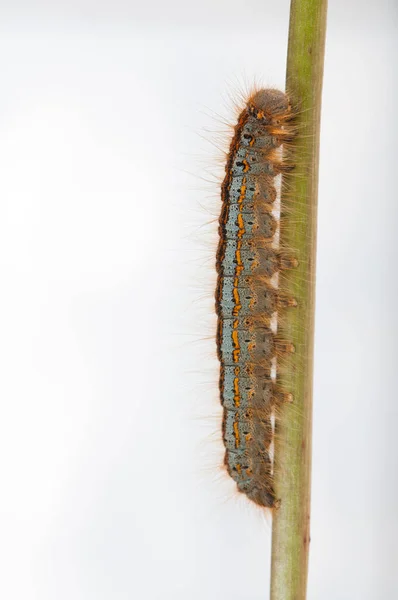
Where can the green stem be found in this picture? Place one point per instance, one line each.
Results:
(291, 522)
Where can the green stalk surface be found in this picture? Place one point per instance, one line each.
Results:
(292, 471)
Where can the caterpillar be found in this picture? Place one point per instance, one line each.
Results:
(248, 294)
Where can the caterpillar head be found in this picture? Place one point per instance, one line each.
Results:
(270, 104)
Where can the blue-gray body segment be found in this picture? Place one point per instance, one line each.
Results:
(250, 155)
(255, 300)
(243, 346)
(255, 135)
(255, 260)
(238, 428)
(242, 391)
(255, 222)
(257, 190)
(248, 159)
(237, 387)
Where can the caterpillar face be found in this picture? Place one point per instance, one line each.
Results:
(270, 104)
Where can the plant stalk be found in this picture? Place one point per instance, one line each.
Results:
(292, 470)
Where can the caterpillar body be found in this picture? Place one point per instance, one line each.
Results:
(247, 297)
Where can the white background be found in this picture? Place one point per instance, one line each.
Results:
(111, 486)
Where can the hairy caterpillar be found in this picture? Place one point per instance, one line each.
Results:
(248, 296)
